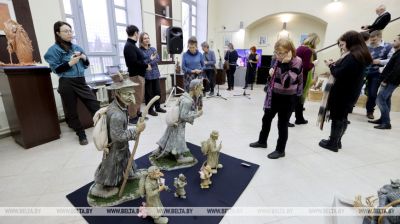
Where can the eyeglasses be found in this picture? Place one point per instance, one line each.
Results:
(67, 31)
(281, 54)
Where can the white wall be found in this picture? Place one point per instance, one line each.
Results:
(339, 17)
(349, 15)
(300, 24)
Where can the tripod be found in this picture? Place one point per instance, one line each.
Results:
(217, 95)
(244, 94)
(219, 80)
(244, 91)
(173, 91)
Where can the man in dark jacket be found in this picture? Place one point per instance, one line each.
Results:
(134, 60)
(390, 81)
(381, 22)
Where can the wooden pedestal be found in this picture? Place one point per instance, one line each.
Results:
(29, 104)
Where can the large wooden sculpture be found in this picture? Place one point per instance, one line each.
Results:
(18, 42)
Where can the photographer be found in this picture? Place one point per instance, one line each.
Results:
(69, 62)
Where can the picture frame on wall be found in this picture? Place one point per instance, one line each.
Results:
(227, 40)
(164, 53)
(262, 40)
(6, 13)
(303, 37)
(163, 33)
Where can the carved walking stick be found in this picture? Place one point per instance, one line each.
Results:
(141, 119)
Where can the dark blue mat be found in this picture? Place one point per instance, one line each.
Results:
(227, 185)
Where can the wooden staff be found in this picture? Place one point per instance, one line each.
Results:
(131, 158)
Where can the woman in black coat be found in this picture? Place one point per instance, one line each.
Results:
(348, 73)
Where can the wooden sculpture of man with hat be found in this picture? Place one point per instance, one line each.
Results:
(110, 172)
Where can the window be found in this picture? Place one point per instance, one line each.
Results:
(194, 20)
(189, 12)
(99, 27)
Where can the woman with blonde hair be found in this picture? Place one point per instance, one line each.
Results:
(284, 84)
(152, 76)
(307, 54)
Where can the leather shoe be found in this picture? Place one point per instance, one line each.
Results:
(258, 145)
(83, 141)
(276, 155)
(301, 122)
(383, 126)
(375, 121)
(290, 125)
(370, 116)
(160, 110)
(153, 113)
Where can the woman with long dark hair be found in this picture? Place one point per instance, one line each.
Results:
(69, 62)
(348, 74)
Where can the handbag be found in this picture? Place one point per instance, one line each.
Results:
(226, 65)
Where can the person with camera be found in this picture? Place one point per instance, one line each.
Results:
(348, 74)
(69, 62)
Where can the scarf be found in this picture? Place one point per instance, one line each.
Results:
(323, 112)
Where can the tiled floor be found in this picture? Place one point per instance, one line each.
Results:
(307, 176)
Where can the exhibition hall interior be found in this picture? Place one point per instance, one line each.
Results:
(199, 111)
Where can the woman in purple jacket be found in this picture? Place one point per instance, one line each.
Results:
(285, 84)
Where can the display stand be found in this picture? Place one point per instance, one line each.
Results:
(28, 98)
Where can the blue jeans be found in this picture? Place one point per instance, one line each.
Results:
(373, 82)
(384, 102)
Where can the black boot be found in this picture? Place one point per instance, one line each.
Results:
(332, 143)
(82, 137)
(345, 123)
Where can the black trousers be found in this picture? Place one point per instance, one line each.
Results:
(250, 74)
(210, 73)
(298, 110)
(230, 73)
(281, 105)
(70, 90)
(152, 89)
